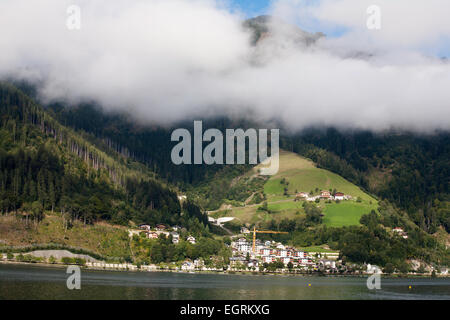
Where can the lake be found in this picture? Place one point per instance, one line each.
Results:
(38, 282)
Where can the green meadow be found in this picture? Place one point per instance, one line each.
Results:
(301, 175)
(345, 213)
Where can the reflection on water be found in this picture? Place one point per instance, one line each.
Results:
(34, 282)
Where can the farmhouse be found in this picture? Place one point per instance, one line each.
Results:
(160, 227)
(145, 227)
(301, 195)
(152, 235)
(339, 196)
(325, 195)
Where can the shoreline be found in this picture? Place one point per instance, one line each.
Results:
(232, 272)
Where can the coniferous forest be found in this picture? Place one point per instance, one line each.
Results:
(91, 166)
(46, 166)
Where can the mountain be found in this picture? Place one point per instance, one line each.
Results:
(48, 167)
(266, 27)
(71, 165)
(409, 170)
(297, 175)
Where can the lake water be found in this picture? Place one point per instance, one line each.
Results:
(37, 282)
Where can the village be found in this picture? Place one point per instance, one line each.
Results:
(259, 255)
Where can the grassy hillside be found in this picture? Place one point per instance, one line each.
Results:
(101, 238)
(297, 174)
(345, 213)
(303, 176)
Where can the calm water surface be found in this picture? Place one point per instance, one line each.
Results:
(36, 282)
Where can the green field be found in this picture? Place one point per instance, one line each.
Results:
(317, 249)
(345, 213)
(251, 215)
(302, 175)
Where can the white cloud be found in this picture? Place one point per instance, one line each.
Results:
(166, 60)
(405, 23)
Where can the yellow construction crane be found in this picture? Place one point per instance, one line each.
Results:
(263, 231)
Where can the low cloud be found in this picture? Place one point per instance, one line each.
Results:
(169, 60)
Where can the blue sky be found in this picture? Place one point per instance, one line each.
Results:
(251, 8)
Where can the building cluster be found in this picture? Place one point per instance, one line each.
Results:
(400, 232)
(267, 252)
(197, 264)
(324, 195)
(154, 233)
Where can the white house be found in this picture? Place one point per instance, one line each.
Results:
(175, 237)
(191, 239)
(245, 247)
(328, 263)
(339, 196)
(282, 253)
(252, 263)
(199, 263)
(373, 269)
(241, 241)
(259, 247)
(187, 266)
(152, 235)
(302, 195)
(304, 261)
(325, 194)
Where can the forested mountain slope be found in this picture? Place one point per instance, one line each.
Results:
(47, 166)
